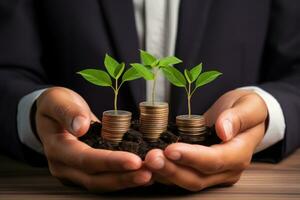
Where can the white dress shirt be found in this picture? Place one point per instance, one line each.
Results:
(159, 19)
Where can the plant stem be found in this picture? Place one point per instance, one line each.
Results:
(189, 100)
(116, 90)
(154, 87)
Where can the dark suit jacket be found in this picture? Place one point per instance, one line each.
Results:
(253, 42)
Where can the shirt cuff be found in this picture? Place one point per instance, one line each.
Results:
(276, 127)
(24, 128)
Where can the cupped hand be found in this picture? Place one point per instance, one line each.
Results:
(62, 115)
(240, 120)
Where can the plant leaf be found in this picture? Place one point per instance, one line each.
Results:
(196, 71)
(143, 71)
(97, 77)
(147, 58)
(188, 76)
(148, 67)
(174, 76)
(207, 77)
(155, 63)
(119, 70)
(170, 60)
(110, 64)
(130, 74)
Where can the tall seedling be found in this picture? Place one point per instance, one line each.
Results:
(150, 67)
(115, 71)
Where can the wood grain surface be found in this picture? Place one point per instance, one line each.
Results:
(260, 181)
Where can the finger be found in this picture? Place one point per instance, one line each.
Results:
(248, 111)
(67, 108)
(237, 152)
(90, 160)
(104, 182)
(66, 148)
(225, 178)
(201, 158)
(169, 172)
(187, 177)
(226, 101)
(232, 155)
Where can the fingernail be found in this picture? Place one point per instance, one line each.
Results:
(175, 155)
(227, 125)
(158, 163)
(77, 123)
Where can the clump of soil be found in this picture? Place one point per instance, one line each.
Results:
(134, 142)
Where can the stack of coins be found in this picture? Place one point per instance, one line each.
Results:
(191, 128)
(114, 125)
(153, 119)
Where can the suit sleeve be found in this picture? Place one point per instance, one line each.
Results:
(282, 74)
(21, 71)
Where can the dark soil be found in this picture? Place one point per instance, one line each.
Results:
(133, 140)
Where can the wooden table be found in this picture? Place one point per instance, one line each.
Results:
(260, 181)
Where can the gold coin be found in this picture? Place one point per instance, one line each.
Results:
(115, 124)
(154, 105)
(153, 119)
(193, 125)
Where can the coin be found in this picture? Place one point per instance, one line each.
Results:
(153, 119)
(193, 125)
(115, 124)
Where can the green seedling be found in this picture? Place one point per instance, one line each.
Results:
(150, 66)
(115, 71)
(189, 77)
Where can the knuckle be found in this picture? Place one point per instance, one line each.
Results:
(49, 93)
(259, 101)
(88, 183)
(82, 161)
(256, 97)
(243, 165)
(234, 180)
(195, 186)
(62, 110)
(218, 164)
(54, 170)
(169, 172)
(229, 93)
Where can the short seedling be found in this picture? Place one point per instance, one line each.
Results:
(115, 70)
(190, 76)
(150, 66)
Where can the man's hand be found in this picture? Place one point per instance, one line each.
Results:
(62, 116)
(239, 117)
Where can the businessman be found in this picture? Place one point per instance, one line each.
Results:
(45, 107)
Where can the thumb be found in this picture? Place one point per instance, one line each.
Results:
(67, 108)
(247, 112)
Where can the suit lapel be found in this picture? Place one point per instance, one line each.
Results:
(193, 19)
(122, 29)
